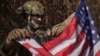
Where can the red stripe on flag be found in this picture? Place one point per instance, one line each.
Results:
(70, 48)
(86, 45)
(98, 53)
(41, 51)
(66, 34)
(27, 46)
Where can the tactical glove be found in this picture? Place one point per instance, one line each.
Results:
(16, 34)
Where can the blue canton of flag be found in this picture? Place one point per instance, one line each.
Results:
(86, 22)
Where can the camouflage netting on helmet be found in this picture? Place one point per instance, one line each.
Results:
(32, 7)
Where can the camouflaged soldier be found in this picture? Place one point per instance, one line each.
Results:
(35, 11)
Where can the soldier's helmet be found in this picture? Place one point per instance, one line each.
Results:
(32, 7)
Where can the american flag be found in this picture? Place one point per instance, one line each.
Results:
(86, 22)
(79, 38)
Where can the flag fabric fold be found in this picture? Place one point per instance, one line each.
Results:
(79, 38)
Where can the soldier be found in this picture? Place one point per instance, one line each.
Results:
(34, 12)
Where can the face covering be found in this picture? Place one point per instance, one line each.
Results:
(34, 23)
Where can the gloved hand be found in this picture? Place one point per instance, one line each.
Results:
(16, 34)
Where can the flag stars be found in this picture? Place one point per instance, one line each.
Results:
(82, 25)
(94, 41)
(92, 22)
(83, 8)
(87, 8)
(81, 12)
(93, 31)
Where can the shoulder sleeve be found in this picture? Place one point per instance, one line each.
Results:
(57, 29)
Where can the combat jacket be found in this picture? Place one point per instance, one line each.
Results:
(39, 35)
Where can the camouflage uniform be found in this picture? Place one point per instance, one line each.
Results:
(40, 35)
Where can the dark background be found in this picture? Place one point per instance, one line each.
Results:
(56, 12)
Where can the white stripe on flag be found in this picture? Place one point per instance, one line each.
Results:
(66, 42)
(77, 50)
(33, 51)
(31, 42)
(96, 48)
(34, 47)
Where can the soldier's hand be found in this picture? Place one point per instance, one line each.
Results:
(16, 34)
